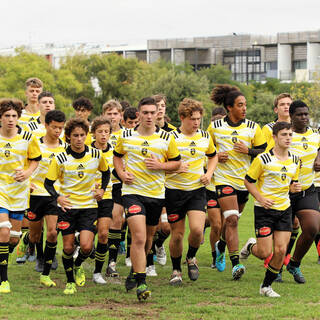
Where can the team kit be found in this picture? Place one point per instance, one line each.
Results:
(130, 175)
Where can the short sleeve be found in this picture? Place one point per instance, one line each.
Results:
(173, 152)
(258, 139)
(118, 149)
(211, 151)
(103, 163)
(34, 152)
(255, 170)
(54, 170)
(210, 130)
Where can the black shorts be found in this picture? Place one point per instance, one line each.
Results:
(267, 221)
(179, 202)
(105, 207)
(318, 191)
(116, 193)
(304, 200)
(41, 206)
(77, 220)
(226, 191)
(212, 200)
(151, 208)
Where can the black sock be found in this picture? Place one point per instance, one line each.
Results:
(4, 256)
(80, 258)
(39, 246)
(222, 244)
(234, 258)
(114, 243)
(128, 243)
(294, 263)
(150, 258)
(176, 263)
(293, 238)
(77, 240)
(162, 236)
(140, 278)
(67, 260)
(123, 231)
(49, 253)
(270, 276)
(192, 251)
(25, 239)
(101, 252)
(214, 255)
(11, 247)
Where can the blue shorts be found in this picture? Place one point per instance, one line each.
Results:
(15, 215)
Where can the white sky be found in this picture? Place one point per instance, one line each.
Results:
(130, 21)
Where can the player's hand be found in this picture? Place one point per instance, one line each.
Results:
(266, 203)
(240, 147)
(127, 177)
(21, 175)
(98, 194)
(184, 167)
(64, 203)
(153, 163)
(223, 157)
(295, 187)
(316, 165)
(32, 187)
(205, 179)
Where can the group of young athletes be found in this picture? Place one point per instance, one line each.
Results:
(130, 169)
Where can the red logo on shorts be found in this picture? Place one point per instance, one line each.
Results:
(134, 209)
(212, 203)
(227, 190)
(63, 225)
(173, 217)
(264, 231)
(31, 215)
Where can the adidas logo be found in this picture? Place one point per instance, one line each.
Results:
(283, 169)
(234, 133)
(113, 138)
(145, 144)
(4, 262)
(304, 139)
(32, 119)
(8, 146)
(192, 144)
(80, 167)
(112, 247)
(51, 156)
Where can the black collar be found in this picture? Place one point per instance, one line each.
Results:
(136, 128)
(105, 150)
(232, 124)
(77, 155)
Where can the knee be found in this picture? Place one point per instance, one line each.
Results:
(86, 248)
(196, 233)
(14, 241)
(263, 253)
(68, 248)
(34, 237)
(177, 236)
(312, 230)
(216, 227)
(138, 241)
(165, 228)
(280, 250)
(52, 235)
(103, 236)
(232, 221)
(4, 234)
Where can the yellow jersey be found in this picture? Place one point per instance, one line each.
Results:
(267, 133)
(113, 142)
(27, 117)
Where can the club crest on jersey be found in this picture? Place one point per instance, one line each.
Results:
(192, 150)
(144, 150)
(234, 138)
(80, 172)
(7, 153)
(283, 173)
(304, 143)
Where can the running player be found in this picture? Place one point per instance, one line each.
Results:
(76, 170)
(101, 130)
(275, 172)
(237, 139)
(148, 151)
(185, 189)
(305, 204)
(20, 155)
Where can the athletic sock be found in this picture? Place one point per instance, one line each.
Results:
(114, 243)
(293, 238)
(140, 278)
(150, 258)
(176, 263)
(123, 231)
(11, 247)
(192, 251)
(49, 253)
(234, 257)
(39, 247)
(294, 263)
(162, 236)
(4, 256)
(25, 239)
(67, 260)
(128, 243)
(270, 275)
(101, 252)
(214, 256)
(222, 244)
(80, 258)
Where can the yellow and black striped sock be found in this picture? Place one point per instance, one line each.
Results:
(49, 253)
(114, 243)
(234, 257)
(100, 256)
(270, 276)
(67, 260)
(4, 256)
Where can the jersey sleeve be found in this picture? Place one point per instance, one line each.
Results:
(103, 163)
(118, 149)
(173, 152)
(258, 139)
(34, 152)
(296, 175)
(54, 170)
(255, 170)
(211, 152)
(210, 130)
(266, 133)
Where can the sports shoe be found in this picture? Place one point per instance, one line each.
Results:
(151, 271)
(220, 258)
(130, 282)
(111, 270)
(5, 287)
(296, 272)
(79, 276)
(279, 278)
(237, 271)
(122, 248)
(213, 264)
(176, 278)
(267, 260)
(76, 252)
(128, 262)
(286, 259)
(22, 248)
(22, 259)
(245, 253)
(268, 292)
(193, 269)
(39, 265)
(143, 292)
(70, 288)
(161, 255)
(31, 255)
(46, 281)
(54, 265)
(97, 278)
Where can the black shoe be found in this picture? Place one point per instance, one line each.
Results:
(111, 270)
(296, 272)
(39, 265)
(193, 270)
(143, 292)
(54, 265)
(130, 282)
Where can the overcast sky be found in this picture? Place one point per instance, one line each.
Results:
(130, 21)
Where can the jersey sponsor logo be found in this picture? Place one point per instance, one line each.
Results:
(63, 225)
(264, 231)
(234, 138)
(134, 209)
(227, 190)
(31, 215)
(212, 203)
(173, 217)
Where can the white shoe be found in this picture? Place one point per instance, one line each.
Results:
(161, 255)
(268, 292)
(76, 252)
(97, 278)
(176, 278)
(151, 271)
(128, 262)
(245, 253)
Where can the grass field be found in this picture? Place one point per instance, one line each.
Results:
(213, 296)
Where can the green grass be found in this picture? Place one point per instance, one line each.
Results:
(213, 296)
